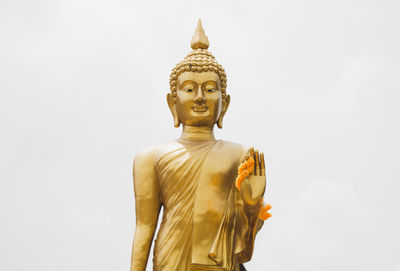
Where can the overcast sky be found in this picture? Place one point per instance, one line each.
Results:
(314, 84)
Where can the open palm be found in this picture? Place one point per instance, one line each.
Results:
(253, 186)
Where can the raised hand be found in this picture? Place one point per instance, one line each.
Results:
(251, 179)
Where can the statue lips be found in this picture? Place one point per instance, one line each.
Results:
(200, 108)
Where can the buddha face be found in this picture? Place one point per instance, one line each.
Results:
(199, 100)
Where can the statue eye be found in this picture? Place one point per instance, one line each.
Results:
(189, 88)
(210, 88)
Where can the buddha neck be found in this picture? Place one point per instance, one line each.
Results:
(197, 133)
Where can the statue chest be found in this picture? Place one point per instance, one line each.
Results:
(204, 177)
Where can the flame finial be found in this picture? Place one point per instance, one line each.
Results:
(199, 39)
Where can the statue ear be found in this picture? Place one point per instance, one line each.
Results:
(225, 104)
(171, 105)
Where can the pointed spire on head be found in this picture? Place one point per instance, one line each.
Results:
(198, 60)
(199, 39)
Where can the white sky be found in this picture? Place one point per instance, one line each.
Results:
(314, 84)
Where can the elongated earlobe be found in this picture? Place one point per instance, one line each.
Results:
(225, 105)
(171, 105)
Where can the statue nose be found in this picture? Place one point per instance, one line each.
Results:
(199, 97)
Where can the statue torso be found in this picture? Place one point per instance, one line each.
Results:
(195, 180)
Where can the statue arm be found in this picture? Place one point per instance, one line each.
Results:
(252, 188)
(147, 208)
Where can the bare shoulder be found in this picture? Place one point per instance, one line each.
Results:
(143, 166)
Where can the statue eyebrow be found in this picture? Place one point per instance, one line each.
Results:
(188, 82)
(209, 82)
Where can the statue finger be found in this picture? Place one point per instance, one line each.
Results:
(251, 151)
(262, 164)
(251, 154)
(257, 164)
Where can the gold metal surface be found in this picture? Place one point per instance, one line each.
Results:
(207, 223)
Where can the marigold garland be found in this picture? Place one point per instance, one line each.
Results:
(264, 215)
(244, 170)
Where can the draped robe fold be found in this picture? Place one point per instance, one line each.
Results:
(205, 224)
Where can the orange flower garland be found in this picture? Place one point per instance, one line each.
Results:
(264, 215)
(244, 170)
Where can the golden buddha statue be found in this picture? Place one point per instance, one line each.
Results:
(210, 190)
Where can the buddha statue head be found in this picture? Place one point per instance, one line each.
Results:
(198, 87)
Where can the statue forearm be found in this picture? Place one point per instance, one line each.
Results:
(141, 246)
(147, 207)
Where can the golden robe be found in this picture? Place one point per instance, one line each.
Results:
(205, 225)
